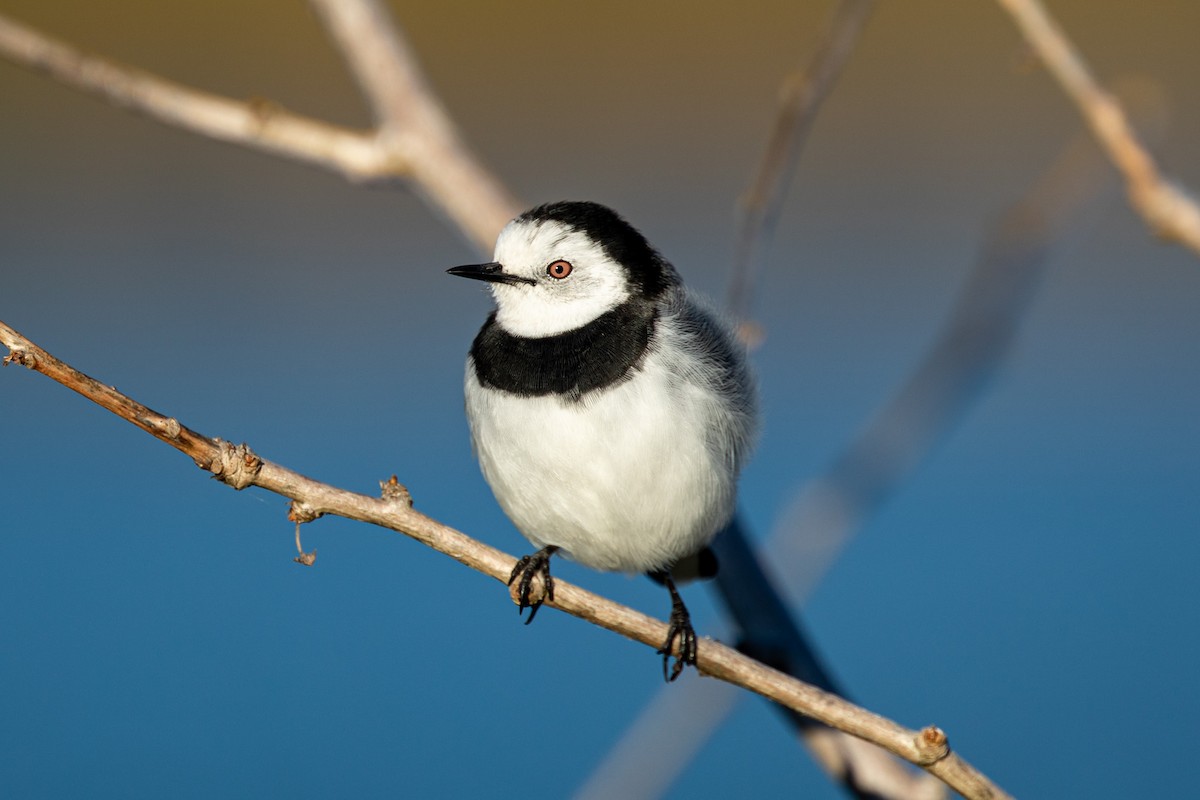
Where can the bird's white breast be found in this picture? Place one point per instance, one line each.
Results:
(630, 478)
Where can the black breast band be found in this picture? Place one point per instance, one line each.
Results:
(602, 353)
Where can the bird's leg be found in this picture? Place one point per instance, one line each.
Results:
(527, 568)
(679, 628)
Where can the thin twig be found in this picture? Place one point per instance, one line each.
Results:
(422, 147)
(259, 124)
(240, 467)
(800, 99)
(1167, 209)
(413, 120)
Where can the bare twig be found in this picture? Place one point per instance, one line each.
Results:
(420, 146)
(257, 124)
(239, 467)
(1168, 209)
(800, 99)
(413, 121)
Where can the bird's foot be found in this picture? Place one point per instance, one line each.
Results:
(679, 633)
(530, 583)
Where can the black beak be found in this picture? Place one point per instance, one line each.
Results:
(492, 272)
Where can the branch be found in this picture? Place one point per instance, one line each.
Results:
(239, 467)
(413, 121)
(421, 146)
(964, 357)
(1167, 208)
(800, 99)
(257, 124)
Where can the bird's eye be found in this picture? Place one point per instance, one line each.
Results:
(559, 269)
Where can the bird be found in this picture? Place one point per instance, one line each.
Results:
(610, 409)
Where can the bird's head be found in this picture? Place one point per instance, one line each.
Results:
(561, 265)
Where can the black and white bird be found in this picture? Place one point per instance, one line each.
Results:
(610, 411)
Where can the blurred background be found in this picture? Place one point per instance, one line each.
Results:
(1031, 589)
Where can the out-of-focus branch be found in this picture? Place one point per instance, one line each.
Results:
(800, 99)
(766, 627)
(770, 632)
(1167, 208)
(240, 467)
(961, 361)
(257, 123)
(419, 145)
(656, 747)
(413, 121)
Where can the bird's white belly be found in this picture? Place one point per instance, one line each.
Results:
(622, 480)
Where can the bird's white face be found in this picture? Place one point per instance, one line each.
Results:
(573, 280)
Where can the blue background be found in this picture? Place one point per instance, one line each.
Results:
(1031, 589)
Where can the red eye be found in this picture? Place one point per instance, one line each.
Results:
(559, 270)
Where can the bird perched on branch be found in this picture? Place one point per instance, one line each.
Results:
(610, 411)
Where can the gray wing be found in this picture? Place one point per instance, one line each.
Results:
(720, 364)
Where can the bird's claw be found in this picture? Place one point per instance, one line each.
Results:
(679, 629)
(534, 586)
